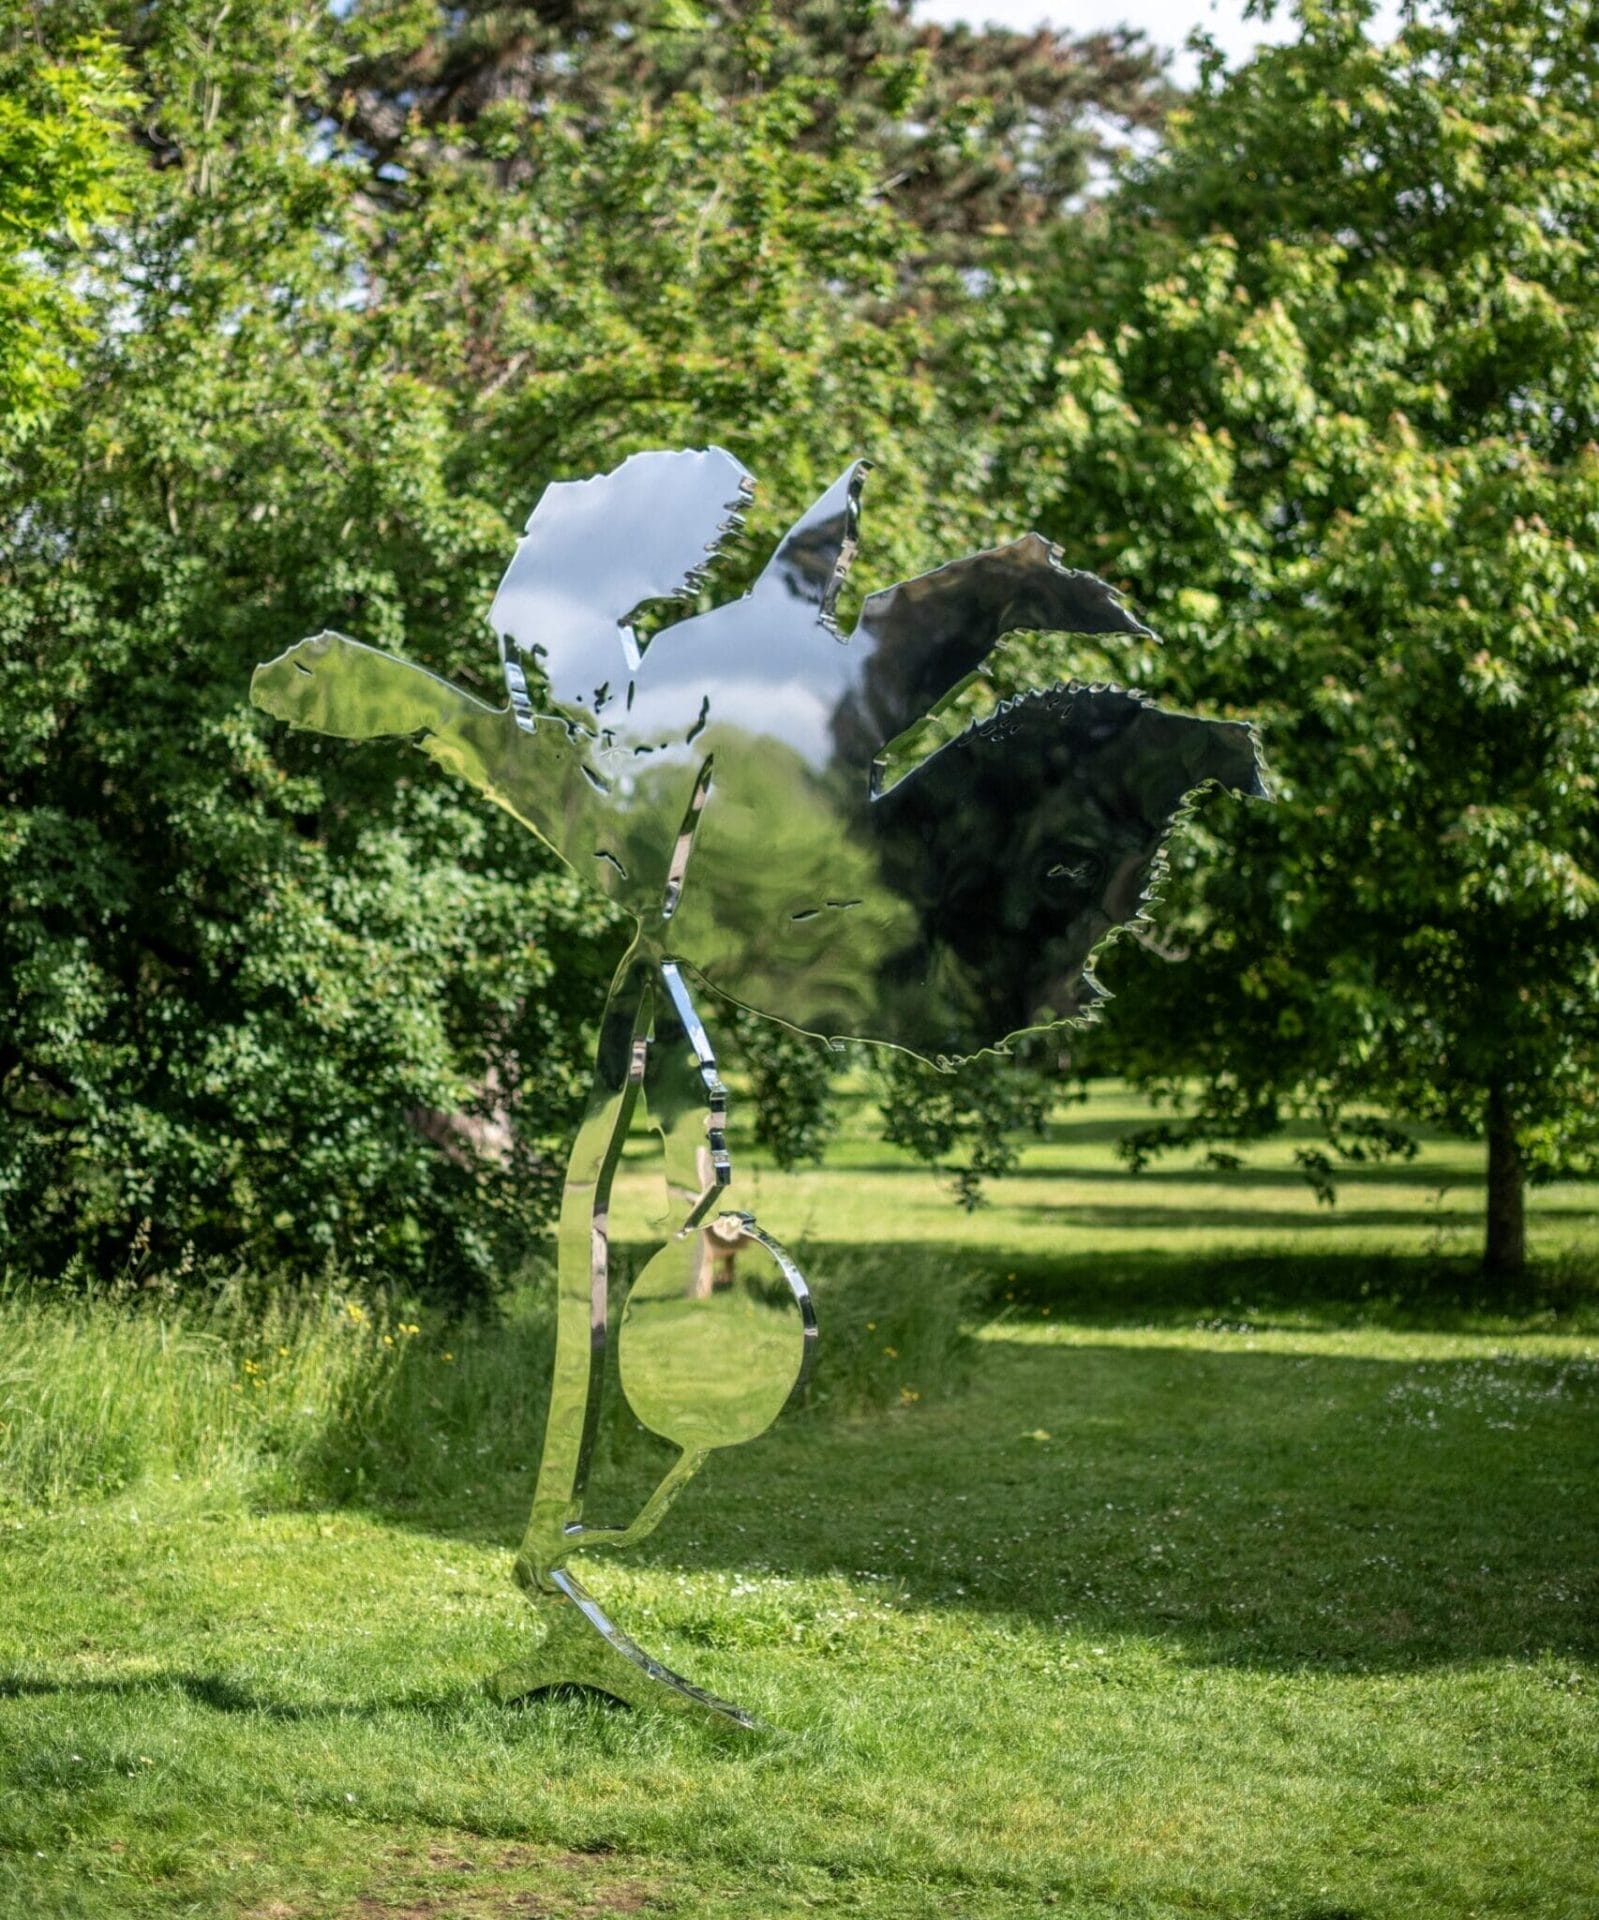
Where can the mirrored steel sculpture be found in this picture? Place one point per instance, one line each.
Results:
(746, 786)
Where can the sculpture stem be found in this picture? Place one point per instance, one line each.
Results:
(583, 1256)
(650, 1515)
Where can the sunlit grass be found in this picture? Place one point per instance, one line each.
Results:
(1072, 1195)
(1221, 1571)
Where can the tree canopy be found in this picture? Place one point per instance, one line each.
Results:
(62, 168)
(300, 309)
(380, 274)
(977, 136)
(1323, 390)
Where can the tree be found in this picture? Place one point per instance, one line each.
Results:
(1322, 390)
(977, 136)
(61, 169)
(268, 1001)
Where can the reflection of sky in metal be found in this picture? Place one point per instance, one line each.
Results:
(982, 880)
(770, 662)
(574, 583)
(793, 712)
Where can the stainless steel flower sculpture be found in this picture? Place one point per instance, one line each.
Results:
(743, 786)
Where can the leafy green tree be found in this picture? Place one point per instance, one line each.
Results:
(1321, 387)
(62, 163)
(973, 1116)
(272, 999)
(978, 136)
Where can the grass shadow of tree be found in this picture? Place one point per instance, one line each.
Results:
(1266, 1509)
(1287, 1509)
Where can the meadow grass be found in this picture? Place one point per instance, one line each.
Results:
(1147, 1547)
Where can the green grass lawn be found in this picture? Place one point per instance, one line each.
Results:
(1237, 1561)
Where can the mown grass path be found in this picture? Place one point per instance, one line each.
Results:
(1168, 1602)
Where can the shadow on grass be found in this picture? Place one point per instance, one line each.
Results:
(1247, 1218)
(219, 1694)
(1425, 1292)
(1283, 1510)
(1428, 1177)
(1277, 1510)
(1087, 1124)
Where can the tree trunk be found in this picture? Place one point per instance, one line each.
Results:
(1505, 1256)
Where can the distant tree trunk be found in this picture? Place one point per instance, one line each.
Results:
(1506, 1253)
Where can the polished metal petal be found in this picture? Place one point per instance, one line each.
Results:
(597, 551)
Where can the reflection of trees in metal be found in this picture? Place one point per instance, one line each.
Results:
(1025, 842)
(745, 785)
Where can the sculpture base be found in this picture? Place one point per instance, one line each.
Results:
(583, 1648)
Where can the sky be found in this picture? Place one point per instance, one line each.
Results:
(1167, 22)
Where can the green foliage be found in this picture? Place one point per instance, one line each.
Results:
(62, 168)
(282, 1000)
(978, 136)
(790, 1077)
(1320, 389)
(349, 287)
(303, 307)
(325, 1395)
(248, 1395)
(979, 1111)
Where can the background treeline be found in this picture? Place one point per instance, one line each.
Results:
(301, 307)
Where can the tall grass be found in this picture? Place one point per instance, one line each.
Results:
(895, 1326)
(98, 1393)
(317, 1396)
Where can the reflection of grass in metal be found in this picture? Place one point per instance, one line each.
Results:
(710, 1372)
